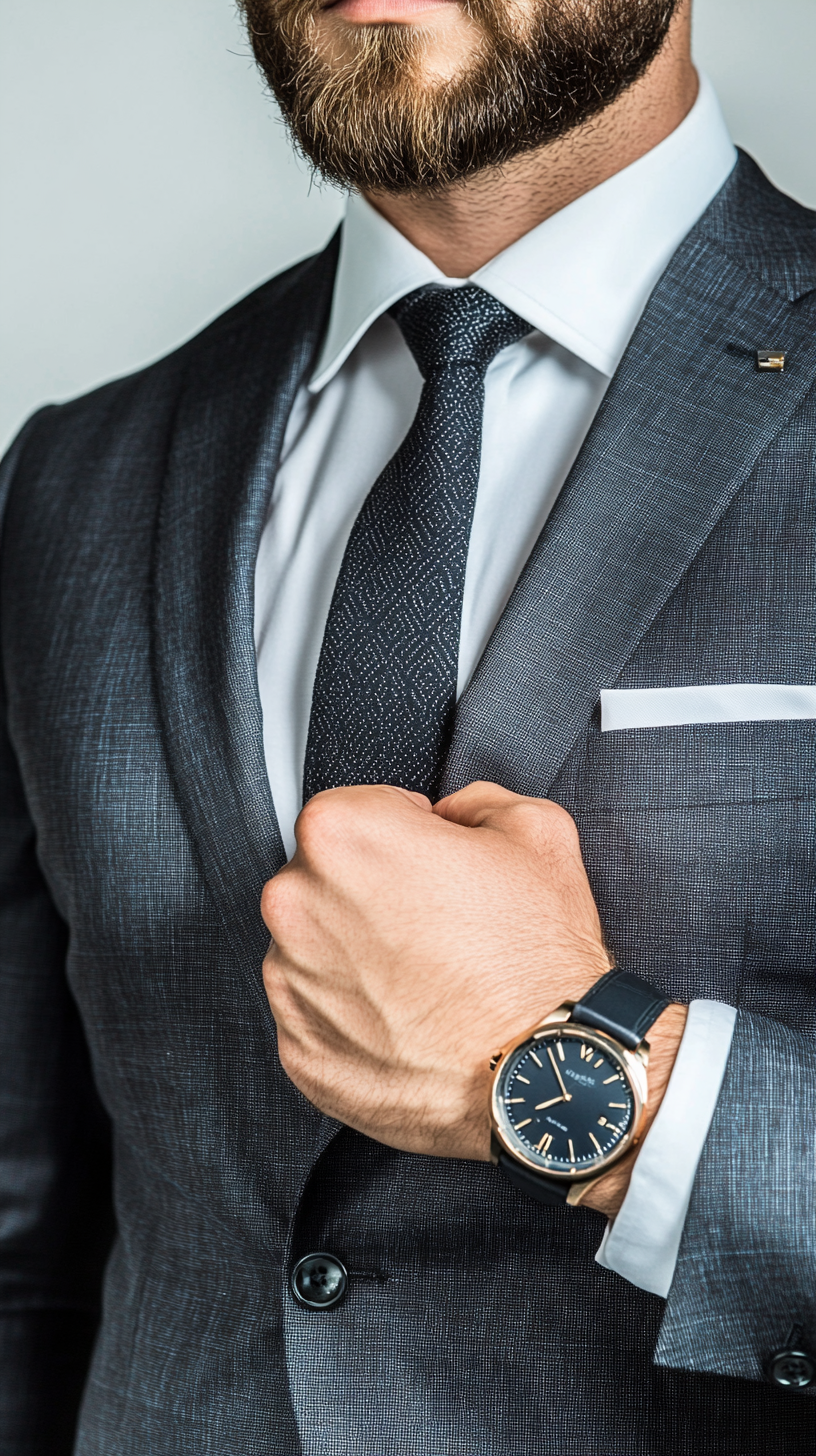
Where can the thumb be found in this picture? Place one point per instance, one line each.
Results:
(476, 805)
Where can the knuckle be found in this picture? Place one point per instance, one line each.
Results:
(272, 976)
(275, 900)
(310, 816)
(319, 822)
(562, 836)
(560, 820)
(478, 789)
(544, 822)
(285, 903)
(525, 815)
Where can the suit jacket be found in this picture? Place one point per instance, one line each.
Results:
(138, 830)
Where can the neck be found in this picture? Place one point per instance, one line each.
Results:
(465, 226)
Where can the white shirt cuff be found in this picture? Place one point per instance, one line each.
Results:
(642, 1243)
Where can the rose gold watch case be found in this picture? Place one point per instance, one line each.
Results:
(633, 1063)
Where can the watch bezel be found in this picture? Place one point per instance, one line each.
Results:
(633, 1063)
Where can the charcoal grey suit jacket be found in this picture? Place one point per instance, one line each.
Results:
(137, 830)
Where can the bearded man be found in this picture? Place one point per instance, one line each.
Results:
(487, 536)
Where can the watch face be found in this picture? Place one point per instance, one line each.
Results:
(565, 1102)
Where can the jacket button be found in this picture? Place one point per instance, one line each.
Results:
(792, 1368)
(319, 1281)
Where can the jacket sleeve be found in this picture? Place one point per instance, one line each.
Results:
(55, 1200)
(745, 1281)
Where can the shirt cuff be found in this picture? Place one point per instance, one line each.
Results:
(643, 1241)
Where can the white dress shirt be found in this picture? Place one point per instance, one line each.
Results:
(582, 280)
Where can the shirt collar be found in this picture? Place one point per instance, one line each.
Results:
(582, 277)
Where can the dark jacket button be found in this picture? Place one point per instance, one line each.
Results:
(319, 1281)
(792, 1368)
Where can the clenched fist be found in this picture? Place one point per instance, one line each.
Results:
(410, 941)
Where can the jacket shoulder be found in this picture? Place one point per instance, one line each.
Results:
(150, 394)
(767, 232)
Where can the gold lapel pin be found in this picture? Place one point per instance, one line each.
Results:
(770, 359)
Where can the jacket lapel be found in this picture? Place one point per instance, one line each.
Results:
(241, 382)
(681, 426)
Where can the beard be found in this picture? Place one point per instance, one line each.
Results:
(375, 122)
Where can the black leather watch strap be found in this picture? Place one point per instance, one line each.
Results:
(622, 1005)
(539, 1187)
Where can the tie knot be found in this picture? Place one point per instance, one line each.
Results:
(444, 326)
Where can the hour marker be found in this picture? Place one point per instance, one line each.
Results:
(595, 1140)
(511, 1100)
(613, 1128)
(523, 1124)
(599, 1063)
(535, 1059)
(587, 1053)
(616, 1078)
(544, 1145)
(525, 1080)
(572, 1150)
(624, 1105)
(602, 1122)
(560, 1051)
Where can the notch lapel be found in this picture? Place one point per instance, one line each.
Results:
(242, 379)
(682, 424)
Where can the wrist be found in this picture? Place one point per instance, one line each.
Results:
(608, 1193)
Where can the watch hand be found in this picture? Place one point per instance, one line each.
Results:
(551, 1103)
(567, 1095)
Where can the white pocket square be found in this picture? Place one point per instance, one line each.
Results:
(712, 703)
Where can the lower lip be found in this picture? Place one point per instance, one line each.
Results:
(383, 12)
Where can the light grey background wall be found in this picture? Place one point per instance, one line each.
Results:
(146, 181)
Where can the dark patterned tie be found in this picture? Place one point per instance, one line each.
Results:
(385, 689)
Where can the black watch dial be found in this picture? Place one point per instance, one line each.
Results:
(565, 1102)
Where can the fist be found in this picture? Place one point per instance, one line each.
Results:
(410, 941)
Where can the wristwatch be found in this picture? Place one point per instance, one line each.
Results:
(569, 1097)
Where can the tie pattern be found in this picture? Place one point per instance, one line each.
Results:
(385, 689)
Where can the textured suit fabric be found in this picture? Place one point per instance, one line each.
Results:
(385, 688)
(743, 1232)
(138, 831)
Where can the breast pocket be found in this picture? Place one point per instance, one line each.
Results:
(628, 708)
(713, 743)
(700, 844)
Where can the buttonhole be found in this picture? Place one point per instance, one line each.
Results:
(373, 1276)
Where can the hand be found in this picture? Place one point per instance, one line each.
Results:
(410, 942)
(567, 1096)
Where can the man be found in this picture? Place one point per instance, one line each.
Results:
(488, 535)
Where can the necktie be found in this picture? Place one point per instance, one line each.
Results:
(385, 689)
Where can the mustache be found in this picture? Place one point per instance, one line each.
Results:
(366, 112)
(265, 20)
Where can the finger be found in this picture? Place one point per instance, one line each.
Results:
(421, 800)
(351, 792)
(475, 805)
(267, 908)
(340, 809)
(277, 900)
